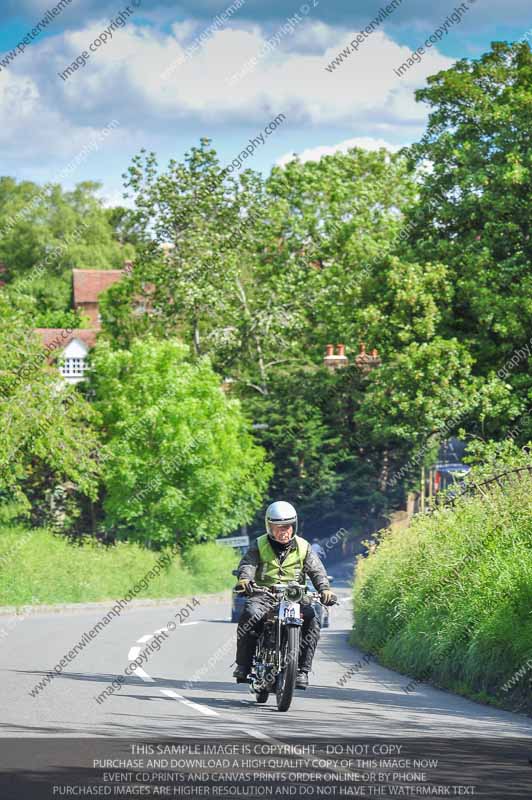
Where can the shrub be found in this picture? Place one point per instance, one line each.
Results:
(449, 599)
(180, 458)
(42, 565)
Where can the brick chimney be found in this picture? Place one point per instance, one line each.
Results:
(334, 360)
(227, 385)
(367, 361)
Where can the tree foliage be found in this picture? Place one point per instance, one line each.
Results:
(424, 255)
(475, 201)
(48, 429)
(45, 232)
(179, 461)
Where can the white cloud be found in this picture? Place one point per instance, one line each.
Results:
(114, 197)
(122, 80)
(33, 129)
(315, 153)
(185, 30)
(288, 80)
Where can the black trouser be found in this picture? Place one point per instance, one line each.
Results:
(249, 627)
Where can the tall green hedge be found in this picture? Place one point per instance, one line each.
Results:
(449, 599)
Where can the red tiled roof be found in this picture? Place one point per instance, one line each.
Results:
(88, 283)
(58, 338)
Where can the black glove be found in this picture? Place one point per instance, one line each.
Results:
(245, 586)
(328, 598)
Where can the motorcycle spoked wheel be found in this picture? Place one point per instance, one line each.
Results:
(262, 694)
(286, 680)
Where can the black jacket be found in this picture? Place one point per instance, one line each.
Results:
(312, 565)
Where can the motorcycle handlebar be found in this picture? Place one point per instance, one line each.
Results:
(265, 590)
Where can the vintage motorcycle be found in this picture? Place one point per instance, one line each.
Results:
(274, 667)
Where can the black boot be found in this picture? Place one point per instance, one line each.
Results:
(241, 674)
(302, 679)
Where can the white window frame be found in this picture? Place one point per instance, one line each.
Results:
(73, 367)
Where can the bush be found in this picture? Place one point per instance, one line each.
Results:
(180, 460)
(449, 599)
(39, 564)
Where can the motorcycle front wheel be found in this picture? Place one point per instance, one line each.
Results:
(262, 696)
(286, 680)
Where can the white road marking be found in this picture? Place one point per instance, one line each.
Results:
(144, 675)
(178, 625)
(259, 735)
(139, 672)
(204, 709)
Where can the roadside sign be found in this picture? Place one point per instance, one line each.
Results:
(235, 541)
(452, 468)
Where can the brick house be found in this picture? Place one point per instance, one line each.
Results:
(87, 285)
(74, 345)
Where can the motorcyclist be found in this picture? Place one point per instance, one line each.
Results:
(279, 556)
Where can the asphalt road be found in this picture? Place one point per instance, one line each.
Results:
(158, 700)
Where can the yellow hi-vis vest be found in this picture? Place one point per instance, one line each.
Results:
(270, 571)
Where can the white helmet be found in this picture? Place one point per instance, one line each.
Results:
(280, 513)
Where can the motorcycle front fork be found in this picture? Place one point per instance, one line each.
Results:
(262, 669)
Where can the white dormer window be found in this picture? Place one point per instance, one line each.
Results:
(73, 368)
(73, 364)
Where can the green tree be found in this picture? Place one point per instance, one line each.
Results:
(329, 256)
(123, 221)
(45, 232)
(422, 395)
(48, 428)
(254, 271)
(73, 318)
(333, 222)
(310, 425)
(179, 461)
(194, 210)
(475, 201)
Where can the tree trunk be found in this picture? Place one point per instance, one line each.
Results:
(258, 346)
(196, 336)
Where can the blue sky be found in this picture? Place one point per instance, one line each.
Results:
(164, 98)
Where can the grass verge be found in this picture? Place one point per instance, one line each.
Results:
(448, 600)
(38, 567)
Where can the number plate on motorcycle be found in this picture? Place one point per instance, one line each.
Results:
(289, 609)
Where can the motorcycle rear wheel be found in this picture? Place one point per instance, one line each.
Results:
(262, 696)
(286, 680)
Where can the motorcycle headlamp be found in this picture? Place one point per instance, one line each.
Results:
(294, 592)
